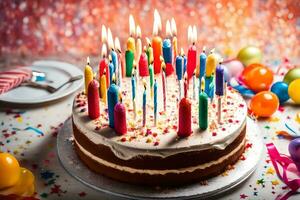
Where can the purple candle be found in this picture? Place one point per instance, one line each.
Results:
(220, 80)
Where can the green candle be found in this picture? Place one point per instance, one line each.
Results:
(129, 57)
(151, 76)
(203, 107)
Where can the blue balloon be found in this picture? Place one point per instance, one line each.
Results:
(281, 90)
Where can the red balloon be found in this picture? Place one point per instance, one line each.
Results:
(264, 104)
(257, 77)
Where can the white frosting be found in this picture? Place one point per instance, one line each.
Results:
(159, 143)
(160, 172)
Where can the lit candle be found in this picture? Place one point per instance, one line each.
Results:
(131, 41)
(103, 65)
(192, 52)
(174, 34)
(144, 103)
(112, 99)
(185, 118)
(163, 78)
(93, 100)
(120, 117)
(208, 86)
(138, 41)
(202, 66)
(113, 54)
(179, 69)
(88, 75)
(118, 71)
(133, 86)
(111, 70)
(156, 43)
(151, 72)
(103, 87)
(143, 65)
(185, 86)
(167, 50)
(155, 102)
(219, 88)
(149, 51)
(104, 37)
(203, 110)
(211, 63)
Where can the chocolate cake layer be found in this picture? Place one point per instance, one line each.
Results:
(176, 161)
(171, 178)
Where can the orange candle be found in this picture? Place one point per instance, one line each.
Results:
(156, 43)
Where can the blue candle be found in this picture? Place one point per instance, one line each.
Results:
(202, 66)
(114, 57)
(133, 84)
(167, 51)
(208, 85)
(111, 72)
(155, 102)
(184, 64)
(220, 80)
(113, 99)
(144, 105)
(179, 67)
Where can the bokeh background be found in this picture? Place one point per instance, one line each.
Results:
(70, 30)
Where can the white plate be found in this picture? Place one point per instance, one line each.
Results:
(58, 72)
(216, 185)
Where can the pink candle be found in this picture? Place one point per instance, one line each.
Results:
(93, 100)
(143, 65)
(120, 118)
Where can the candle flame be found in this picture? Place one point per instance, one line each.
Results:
(173, 27)
(181, 51)
(110, 39)
(145, 84)
(194, 34)
(204, 49)
(221, 60)
(113, 79)
(168, 29)
(103, 34)
(104, 50)
(190, 34)
(104, 72)
(138, 32)
(120, 96)
(202, 84)
(131, 26)
(155, 28)
(212, 51)
(109, 58)
(117, 44)
(157, 19)
(148, 41)
(88, 60)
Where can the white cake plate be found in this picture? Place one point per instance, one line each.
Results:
(215, 186)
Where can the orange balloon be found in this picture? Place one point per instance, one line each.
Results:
(257, 77)
(264, 104)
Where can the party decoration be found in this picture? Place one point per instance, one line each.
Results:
(291, 75)
(264, 104)
(294, 149)
(235, 68)
(257, 77)
(9, 170)
(281, 90)
(249, 55)
(294, 91)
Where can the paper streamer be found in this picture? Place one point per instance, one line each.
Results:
(284, 161)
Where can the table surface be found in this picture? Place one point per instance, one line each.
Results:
(30, 134)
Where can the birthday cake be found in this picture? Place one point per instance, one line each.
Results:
(156, 155)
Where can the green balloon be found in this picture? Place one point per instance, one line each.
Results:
(249, 55)
(292, 75)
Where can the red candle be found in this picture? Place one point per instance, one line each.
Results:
(103, 64)
(192, 52)
(120, 118)
(143, 65)
(185, 118)
(93, 100)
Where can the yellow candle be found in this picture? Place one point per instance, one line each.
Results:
(211, 63)
(174, 34)
(138, 42)
(131, 40)
(88, 75)
(103, 87)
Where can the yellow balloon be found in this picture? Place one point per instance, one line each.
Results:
(24, 187)
(294, 91)
(9, 170)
